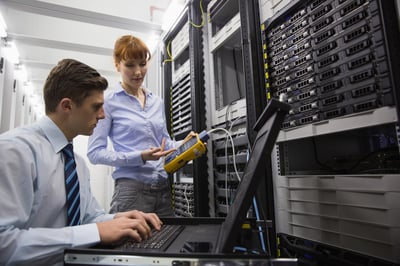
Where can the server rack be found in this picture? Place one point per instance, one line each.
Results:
(183, 70)
(337, 158)
(256, 100)
(234, 28)
(227, 102)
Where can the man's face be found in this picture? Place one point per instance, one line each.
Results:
(86, 116)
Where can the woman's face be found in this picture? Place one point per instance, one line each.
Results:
(132, 72)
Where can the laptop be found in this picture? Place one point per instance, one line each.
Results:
(203, 235)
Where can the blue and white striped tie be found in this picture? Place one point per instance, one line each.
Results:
(71, 186)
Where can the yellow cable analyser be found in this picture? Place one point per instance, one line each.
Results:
(190, 149)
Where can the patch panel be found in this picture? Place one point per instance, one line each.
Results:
(183, 199)
(226, 180)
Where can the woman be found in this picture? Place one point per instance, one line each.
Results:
(136, 125)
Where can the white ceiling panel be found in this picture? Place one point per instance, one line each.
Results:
(47, 31)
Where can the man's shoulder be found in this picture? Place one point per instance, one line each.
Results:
(25, 135)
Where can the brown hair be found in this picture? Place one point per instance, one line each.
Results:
(71, 79)
(129, 47)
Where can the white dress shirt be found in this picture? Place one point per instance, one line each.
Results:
(33, 217)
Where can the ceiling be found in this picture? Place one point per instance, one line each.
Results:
(48, 30)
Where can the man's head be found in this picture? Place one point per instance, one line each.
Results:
(71, 79)
(73, 96)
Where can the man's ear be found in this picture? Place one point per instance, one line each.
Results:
(66, 104)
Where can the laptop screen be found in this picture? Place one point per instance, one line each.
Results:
(268, 126)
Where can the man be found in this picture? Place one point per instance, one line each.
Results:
(33, 208)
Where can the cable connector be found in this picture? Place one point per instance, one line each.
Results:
(203, 136)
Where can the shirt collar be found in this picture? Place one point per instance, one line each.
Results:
(53, 133)
(119, 89)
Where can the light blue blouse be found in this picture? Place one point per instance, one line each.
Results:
(131, 130)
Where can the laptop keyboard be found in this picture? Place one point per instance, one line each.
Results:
(159, 240)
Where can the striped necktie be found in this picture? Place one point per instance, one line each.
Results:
(71, 186)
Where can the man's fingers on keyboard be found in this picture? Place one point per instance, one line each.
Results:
(144, 230)
(134, 234)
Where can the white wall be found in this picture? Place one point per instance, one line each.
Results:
(100, 175)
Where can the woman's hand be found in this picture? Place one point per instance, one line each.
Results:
(154, 153)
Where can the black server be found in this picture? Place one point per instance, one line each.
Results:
(183, 74)
(337, 161)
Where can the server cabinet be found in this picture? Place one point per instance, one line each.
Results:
(183, 71)
(337, 162)
(9, 96)
(2, 74)
(237, 97)
(227, 97)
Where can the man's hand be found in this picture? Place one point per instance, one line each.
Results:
(150, 218)
(132, 224)
(155, 153)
